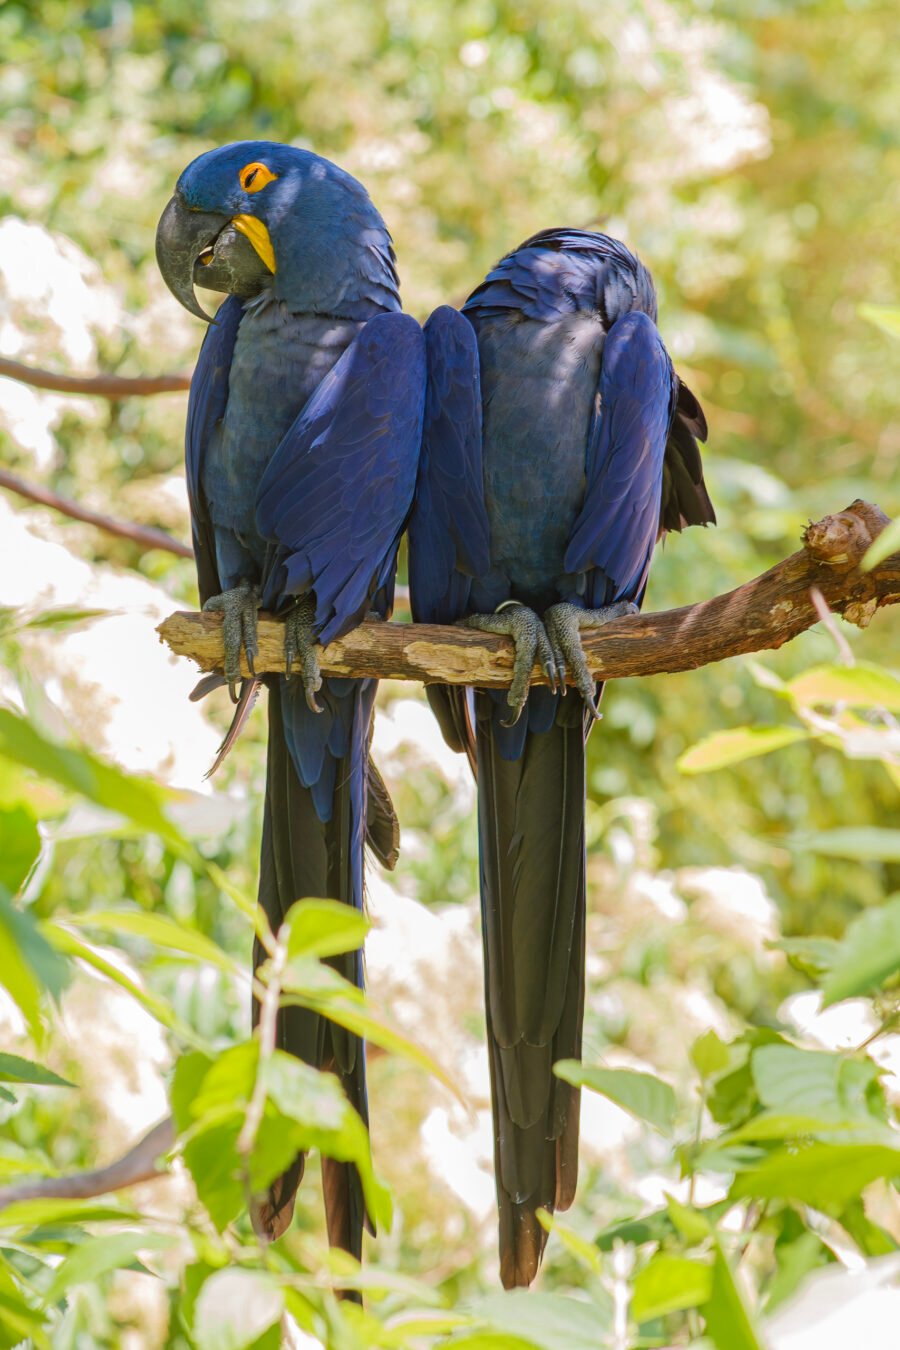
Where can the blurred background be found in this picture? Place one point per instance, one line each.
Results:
(750, 153)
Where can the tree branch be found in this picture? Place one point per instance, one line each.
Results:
(148, 536)
(763, 613)
(101, 386)
(140, 1163)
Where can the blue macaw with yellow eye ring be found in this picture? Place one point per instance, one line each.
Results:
(559, 447)
(303, 435)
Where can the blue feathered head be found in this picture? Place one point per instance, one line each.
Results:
(258, 216)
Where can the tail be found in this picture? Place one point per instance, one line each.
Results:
(314, 827)
(531, 837)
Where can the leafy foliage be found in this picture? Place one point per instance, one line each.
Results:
(742, 852)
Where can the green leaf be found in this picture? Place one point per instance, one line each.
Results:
(190, 1070)
(307, 983)
(865, 843)
(868, 954)
(210, 1156)
(161, 931)
(669, 1284)
(870, 1237)
(81, 772)
(234, 1308)
(710, 1055)
(813, 1082)
(813, 956)
(888, 542)
(326, 1121)
(728, 1321)
(15, 1069)
(859, 686)
(98, 1255)
(654, 1227)
(885, 317)
(793, 1262)
(49, 1210)
(66, 941)
(548, 1321)
(641, 1094)
(63, 617)
(28, 964)
(693, 1226)
(732, 747)
(819, 1174)
(324, 928)
(18, 1320)
(577, 1246)
(733, 1096)
(21, 846)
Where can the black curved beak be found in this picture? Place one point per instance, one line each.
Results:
(181, 236)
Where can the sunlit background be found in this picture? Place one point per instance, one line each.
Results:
(750, 152)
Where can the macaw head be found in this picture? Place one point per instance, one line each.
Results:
(258, 216)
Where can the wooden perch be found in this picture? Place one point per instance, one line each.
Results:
(763, 613)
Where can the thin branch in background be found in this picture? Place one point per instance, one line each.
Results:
(140, 1163)
(113, 387)
(844, 650)
(148, 536)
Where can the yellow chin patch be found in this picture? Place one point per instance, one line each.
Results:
(256, 232)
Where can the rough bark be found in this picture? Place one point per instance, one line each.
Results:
(763, 613)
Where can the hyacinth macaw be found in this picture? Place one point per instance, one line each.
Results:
(303, 435)
(559, 445)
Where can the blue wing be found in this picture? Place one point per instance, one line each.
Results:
(449, 540)
(206, 407)
(616, 530)
(336, 494)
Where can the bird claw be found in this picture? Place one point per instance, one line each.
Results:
(238, 608)
(300, 645)
(564, 623)
(516, 621)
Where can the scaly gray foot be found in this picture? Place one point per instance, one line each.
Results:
(527, 632)
(564, 623)
(238, 608)
(300, 645)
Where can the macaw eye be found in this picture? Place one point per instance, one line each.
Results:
(254, 177)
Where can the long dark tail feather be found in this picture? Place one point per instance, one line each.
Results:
(531, 834)
(304, 856)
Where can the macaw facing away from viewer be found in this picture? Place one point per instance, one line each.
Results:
(303, 435)
(559, 445)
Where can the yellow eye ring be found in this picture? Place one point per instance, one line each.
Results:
(254, 177)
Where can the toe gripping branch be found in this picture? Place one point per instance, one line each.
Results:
(554, 642)
(529, 635)
(300, 647)
(238, 608)
(564, 624)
